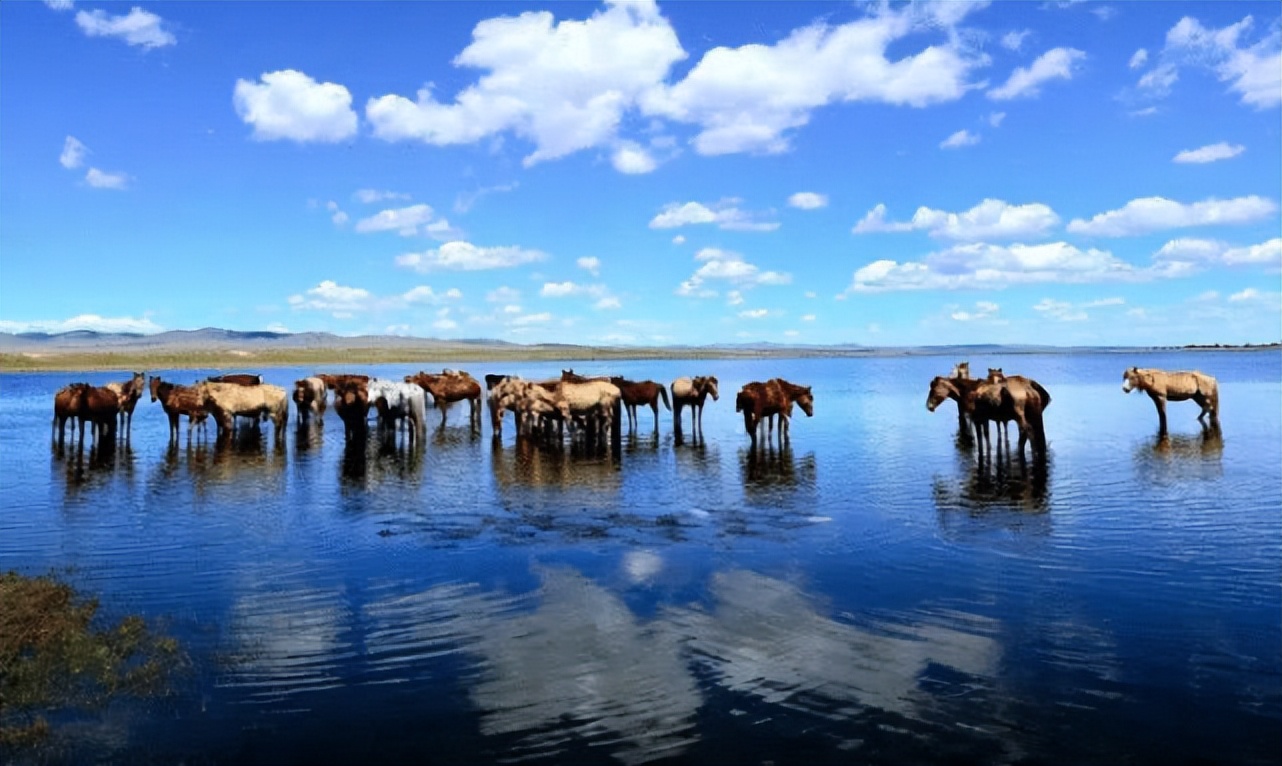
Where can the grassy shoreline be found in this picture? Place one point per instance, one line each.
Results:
(141, 359)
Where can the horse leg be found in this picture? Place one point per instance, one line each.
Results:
(1160, 403)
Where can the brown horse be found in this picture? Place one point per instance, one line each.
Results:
(309, 399)
(178, 400)
(129, 392)
(332, 382)
(66, 406)
(99, 406)
(570, 376)
(492, 380)
(238, 378)
(351, 402)
(761, 401)
(1163, 386)
(985, 401)
(645, 392)
(692, 392)
(449, 387)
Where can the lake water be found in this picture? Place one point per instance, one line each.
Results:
(866, 595)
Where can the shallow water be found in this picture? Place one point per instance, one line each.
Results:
(866, 594)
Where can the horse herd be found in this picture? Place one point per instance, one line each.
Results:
(592, 406)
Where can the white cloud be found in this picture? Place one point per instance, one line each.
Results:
(679, 239)
(632, 159)
(754, 314)
(529, 319)
(1014, 39)
(371, 196)
(591, 264)
(138, 27)
(727, 266)
(607, 303)
(983, 310)
(959, 139)
(990, 219)
(464, 256)
(406, 220)
(1196, 253)
(1211, 153)
(444, 324)
(336, 214)
(996, 118)
(808, 318)
(92, 322)
(1055, 64)
(1139, 59)
(1062, 311)
(734, 298)
(60, 5)
(465, 201)
(725, 214)
(1253, 72)
(747, 99)
(560, 289)
(73, 153)
(1147, 214)
(290, 105)
(344, 302)
(564, 86)
(101, 180)
(986, 266)
(808, 200)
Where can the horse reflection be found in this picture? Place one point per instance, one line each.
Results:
(776, 468)
(86, 470)
(995, 497)
(531, 463)
(369, 463)
(1178, 457)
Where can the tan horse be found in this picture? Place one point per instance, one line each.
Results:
(533, 404)
(645, 392)
(226, 401)
(1020, 384)
(449, 387)
(692, 392)
(597, 402)
(1163, 386)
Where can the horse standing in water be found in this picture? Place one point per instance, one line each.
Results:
(693, 392)
(1163, 386)
(645, 392)
(449, 387)
(180, 400)
(762, 401)
(985, 401)
(128, 392)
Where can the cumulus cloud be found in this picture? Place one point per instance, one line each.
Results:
(1139, 59)
(73, 153)
(996, 118)
(406, 220)
(990, 219)
(1055, 64)
(138, 27)
(99, 179)
(565, 289)
(336, 213)
(607, 304)
(373, 196)
(344, 301)
(1140, 216)
(754, 314)
(568, 86)
(564, 86)
(1197, 253)
(725, 214)
(1253, 72)
(591, 264)
(529, 319)
(290, 105)
(93, 322)
(808, 200)
(747, 99)
(464, 256)
(959, 139)
(1014, 39)
(724, 265)
(987, 266)
(1211, 153)
(1063, 311)
(60, 5)
(503, 294)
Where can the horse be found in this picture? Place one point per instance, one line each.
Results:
(309, 399)
(178, 400)
(228, 400)
(66, 406)
(492, 380)
(692, 392)
(570, 376)
(128, 392)
(99, 406)
(961, 371)
(236, 378)
(644, 392)
(531, 403)
(599, 402)
(985, 401)
(398, 402)
(450, 387)
(758, 401)
(1163, 386)
(351, 402)
(1020, 383)
(332, 382)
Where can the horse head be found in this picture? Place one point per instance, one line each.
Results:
(154, 386)
(709, 385)
(940, 389)
(806, 401)
(1130, 380)
(995, 375)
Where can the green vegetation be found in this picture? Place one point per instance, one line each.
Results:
(52, 658)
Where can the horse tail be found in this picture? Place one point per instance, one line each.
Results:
(1043, 393)
(664, 393)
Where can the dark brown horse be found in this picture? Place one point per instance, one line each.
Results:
(66, 406)
(177, 401)
(239, 378)
(450, 387)
(351, 402)
(101, 407)
(985, 401)
(570, 376)
(332, 382)
(645, 392)
(761, 401)
(492, 380)
(129, 392)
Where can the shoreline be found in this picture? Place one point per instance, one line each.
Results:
(71, 360)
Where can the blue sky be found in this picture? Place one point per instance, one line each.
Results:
(632, 173)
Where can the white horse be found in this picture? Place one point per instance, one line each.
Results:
(397, 401)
